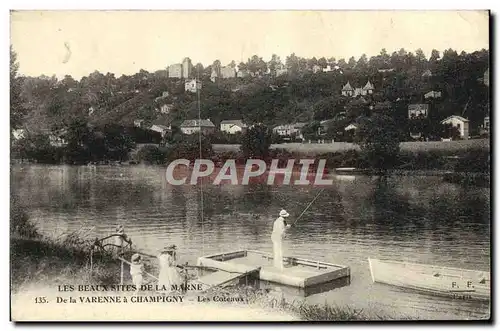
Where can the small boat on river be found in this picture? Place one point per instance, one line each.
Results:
(435, 280)
(297, 272)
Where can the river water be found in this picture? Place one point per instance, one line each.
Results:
(415, 219)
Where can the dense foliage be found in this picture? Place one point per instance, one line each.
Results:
(92, 109)
(378, 139)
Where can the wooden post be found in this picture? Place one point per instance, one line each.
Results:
(121, 273)
(91, 254)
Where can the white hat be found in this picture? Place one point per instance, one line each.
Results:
(136, 258)
(283, 213)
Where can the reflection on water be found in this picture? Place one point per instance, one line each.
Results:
(416, 219)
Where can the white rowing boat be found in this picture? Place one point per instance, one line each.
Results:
(431, 279)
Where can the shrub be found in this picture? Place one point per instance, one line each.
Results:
(151, 154)
(20, 224)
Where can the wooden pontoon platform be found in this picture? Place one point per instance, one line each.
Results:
(297, 272)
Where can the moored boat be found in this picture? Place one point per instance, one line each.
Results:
(431, 279)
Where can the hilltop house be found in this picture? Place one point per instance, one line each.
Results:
(419, 110)
(243, 73)
(351, 127)
(227, 72)
(432, 94)
(166, 108)
(232, 126)
(192, 85)
(193, 126)
(138, 123)
(349, 91)
(180, 70)
(290, 130)
(161, 129)
(329, 68)
(462, 124)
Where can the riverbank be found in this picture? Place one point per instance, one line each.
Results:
(43, 269)
(40, 268)
(471, 155)
(339, 146)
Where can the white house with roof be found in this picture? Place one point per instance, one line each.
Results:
(330, 69)
(432, 94)
(242, 73)
(232, 126)
(166, 108)
(461, 123)
(290, 130)
(194, 126)
(351, 127)
(161, 129)
(349, 91)
(192, 85)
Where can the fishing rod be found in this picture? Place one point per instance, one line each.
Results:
(309, 205)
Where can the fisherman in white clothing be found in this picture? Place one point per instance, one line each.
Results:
(279, 228)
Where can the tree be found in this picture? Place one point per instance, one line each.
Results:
(17, 109)
(352, 62)
(311, 63)
(256, 142)
(322, 62)
(385, 58)
(242, 66)
(420, 56)
(216, 66)
(257, 65)
(362, 62)
(378, 138)
(434, 56)
(310, 131)
(273, 64)
(198, 69)
(342, 64)
(292, 63)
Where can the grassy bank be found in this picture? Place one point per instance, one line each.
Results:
(467, 156)
(408, 146)
(306, 311)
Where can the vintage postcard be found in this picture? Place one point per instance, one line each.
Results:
(250, 165)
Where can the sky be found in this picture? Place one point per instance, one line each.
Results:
(123, 42)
